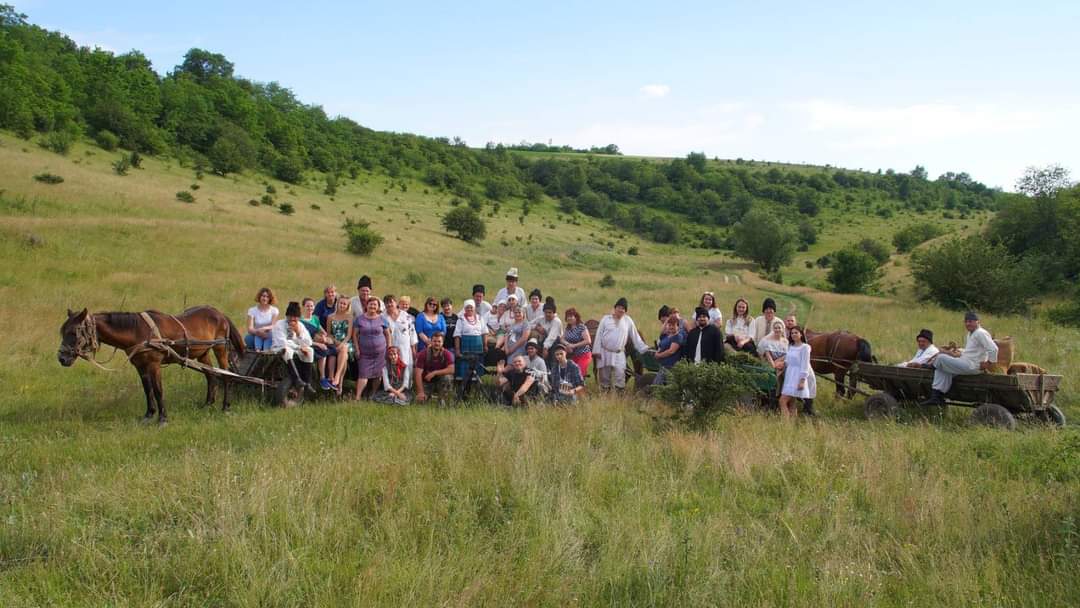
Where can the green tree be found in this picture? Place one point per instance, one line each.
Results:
(232, 151)
(466, 222)
(852, 271)
(762, 238)
(974, 272)
(1043, 181)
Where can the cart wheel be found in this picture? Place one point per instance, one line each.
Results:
(881, 405)
(1051, 415)
(288, 393)
(993, 415)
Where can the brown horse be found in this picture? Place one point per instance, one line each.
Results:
(834, 353)
(194, 333)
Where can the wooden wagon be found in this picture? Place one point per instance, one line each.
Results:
(998, 399)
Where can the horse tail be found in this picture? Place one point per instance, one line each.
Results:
(236, 340)
(864, 353)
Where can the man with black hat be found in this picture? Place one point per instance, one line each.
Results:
(704, 343)
(761, 326)
(979, 354)
(292, 340)
(926, 352)
(363, 294)
(609, 346)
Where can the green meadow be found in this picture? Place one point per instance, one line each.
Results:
(355, 504)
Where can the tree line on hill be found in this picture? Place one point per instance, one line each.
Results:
(204, 113)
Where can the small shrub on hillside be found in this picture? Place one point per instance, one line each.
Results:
(286, 209)
(361, 239)
(122, 165)
(254, 203)
(194, 187)
(270, 189)
(185, 197)
(631, 251)
(914, 235)
(135, 159)
(331, 185)
(107, 140)
(875, 249)
(468, 225)
(49, 178)
(974, 273)
(315, 207)
(607, 281)
(705, 390)
(853, 271)
(58, 141)
(267, 200)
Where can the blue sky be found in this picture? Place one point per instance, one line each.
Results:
(984, 87)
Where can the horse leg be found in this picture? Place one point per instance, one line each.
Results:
(159, 394)
(148, 390)
(211, 385)
(222, 356)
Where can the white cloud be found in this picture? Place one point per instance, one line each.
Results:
(655, 91)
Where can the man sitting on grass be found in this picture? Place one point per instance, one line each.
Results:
(434, 370)
(518, 384)
(565, 378)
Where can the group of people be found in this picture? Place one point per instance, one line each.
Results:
(403, 354)
(779, 343)
(980, 353)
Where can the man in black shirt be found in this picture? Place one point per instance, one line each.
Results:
(516, 382)
(704, 343)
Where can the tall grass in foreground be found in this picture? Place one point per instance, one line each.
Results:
(340, 504)
(594, 505)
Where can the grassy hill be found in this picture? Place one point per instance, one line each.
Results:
(357, 504)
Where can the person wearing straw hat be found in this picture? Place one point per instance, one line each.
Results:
(511, 288)
(979, 354)
(926, 352)
(612, 334)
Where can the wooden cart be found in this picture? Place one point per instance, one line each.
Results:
(998, 399)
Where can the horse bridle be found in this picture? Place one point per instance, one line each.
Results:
(86, 340)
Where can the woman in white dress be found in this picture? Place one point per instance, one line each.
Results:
(799, 380)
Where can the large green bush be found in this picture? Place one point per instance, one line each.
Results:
(975, 273)
(852, 270)
(704, 390)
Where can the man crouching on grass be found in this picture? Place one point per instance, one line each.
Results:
(434, 370)
(517, 383)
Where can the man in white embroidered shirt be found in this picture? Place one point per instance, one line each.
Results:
(925, 355)
(978, 355)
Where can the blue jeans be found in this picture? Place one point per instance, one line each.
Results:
(253, 342)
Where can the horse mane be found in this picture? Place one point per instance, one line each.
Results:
(121, 320)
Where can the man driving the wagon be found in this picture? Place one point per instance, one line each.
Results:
(979, 354)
